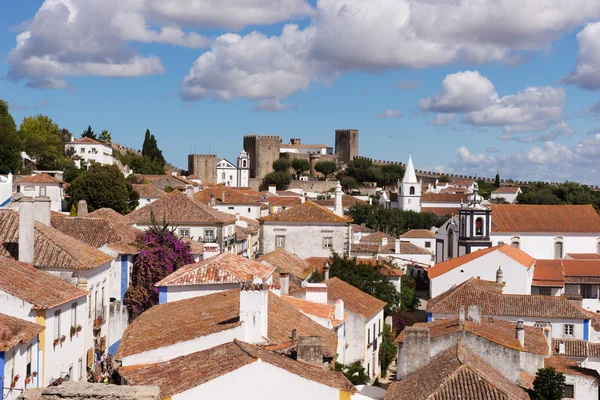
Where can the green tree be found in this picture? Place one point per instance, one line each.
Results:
(88, 133)
(150, 149)
(349, 183)
(281, 179)
(103, 186)
(354, 372)
(408, 295)
(105, 137)
(444, 178)
(73, 212)
(548, 384)
(326, 168)
(282, 165)
(300, 166)
(42, 140)
(497, 180)
(10, 142)
(387, 349)
(391, 173)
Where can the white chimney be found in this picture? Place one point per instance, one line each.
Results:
(26, 230)
(284, 283)
(42, 210)
(461, 316)
(338, 209)
(316, 292)
(339, 309)
(189, 191)
(520, 332)
(561, 348)
(397, 246)
(82, 208)
(326, 271)
(499, 276)
(213, 202)
(254, 307)
(384, 241)
(223, 196)
(273, 190)
(474, 313)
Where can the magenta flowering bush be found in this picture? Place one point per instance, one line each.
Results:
(161, 253)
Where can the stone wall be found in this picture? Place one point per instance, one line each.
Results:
(203, 166)
(263, 150)
(313, 186)
(346, 144)
(91, 391)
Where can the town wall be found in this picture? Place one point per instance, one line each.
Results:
(346, 144)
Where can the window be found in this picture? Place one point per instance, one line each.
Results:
(586, 292)
(380, 327)
(569, 392)
(368, 369)
(184, 233)
(74, 314)
(223, 175)
(427, 244)
(545, 291)
(479, 227)
(82, 150)
(28, 358)
(411, 190)
(209, 236)
(368, 335)
(57, 324)
(231, 208)
(42, 190)
(230, 177)
(89, 302)
(248, 209)
(450, 250)
(327, 242)
(244, 164)
(558, 249)
(597, 243)
(279, 241)
(102, 298)
(569, 329)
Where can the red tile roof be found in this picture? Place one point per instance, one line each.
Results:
(38, 288)
(548, 273)
(204, 366)
(288, 262)
(361, 228)
(545, 218)
(556, 273)
(507, 189)
(275, 201)
(488, 296)
(176, 207)
(576, 348)
(14, 331)
(87, 140)
(147, 190)
(418, 234)
(570, 367)
(220, 269)
(440, 211)
(405, 248)
(376, 238)
(52, 248)
(108, 213)
(445, 198)
(584, 256)
(232, 195)
(365, 248)
(456, 373)
(38, 178)
(319, 310)
(355, 300)
(306, 212)
(517, 255)
(347, 201)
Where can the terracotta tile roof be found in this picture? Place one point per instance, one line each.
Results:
(573, 347)
(35, 286)
(570, 367)
(456, 373)
(206, 365)
(319, 310)
(361, 228)
(526, 380)
(196, 247)
(275, 201)
(87, 140)
(548, 273)
(220, 269)
(516, 254)
(147, 190)
(418, 234)
(545, 218)
(232, 195)
(52, 248)
(355, 300)
(365, 248)
(347, 201)
(306, 212)
(108, 213)
(495, 330)
(38, 178)
(488, 296)
(454, 190)
(440, 211)
(294, 290)
(376, 238)
(176, 207)
(14, 331)
(584, 256)
(405, 248)
(180, 321)
(462, 182)
(445, 198)
(507, 189)
(98, 232)
(558, 272)
(288, 262)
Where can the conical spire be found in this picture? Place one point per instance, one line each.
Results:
(409, 174)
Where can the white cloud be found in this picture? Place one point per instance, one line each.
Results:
(461, 92)
(441, 119)
(389, 114)
(587, 72)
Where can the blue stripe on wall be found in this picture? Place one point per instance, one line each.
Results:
(112, 349)
(162, 295)
(586, 329)
(2, 371)
(124, 276)
(429, 318)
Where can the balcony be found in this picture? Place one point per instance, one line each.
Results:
(99, 317)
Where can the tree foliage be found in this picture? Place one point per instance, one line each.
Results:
(326, 168)
(10, 142)
(89, 133)
(384, 175)
(393, 221)
(387, 349)
(354, 372)
(444, 179)
(282, 164)
(565, 193)
(150, 149)
(42, 140)
(281, 179)
(548, 384)
(497, 180)
(150, 162)
(408, 295)
(161, 253)
(105, 137)
(300, 166)
(103, 186)
(349, 183)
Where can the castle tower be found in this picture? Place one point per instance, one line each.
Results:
(262, 150)
(475, 221)
(243, 169)
(346, 144)
(203, 166)
(409, 191)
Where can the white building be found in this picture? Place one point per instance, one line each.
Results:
(231, 175)
(581, 382)
(296, 147)
(232, 201)
(41, 185)
(6, 189)
(88, 150)
(507, 193)
(420, 237)
(409, 193)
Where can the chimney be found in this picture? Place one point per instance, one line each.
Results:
(82, 283)
(223, 196)
(82, 208)
(461, 316)
(384, 241)
(284, 283)
(561, 349)
(26, 230)
(339, 309)
(397, 246)
(520, 332)
(415, 350)
(499, 276)
(212, 200)
(189, 191)
(42, 210)
(273, 190)
(474, 313)
(548, 336)
(326, 270)
(293, 337)
(310, 350)
(337, 208)
(254, 306)
(316, 292)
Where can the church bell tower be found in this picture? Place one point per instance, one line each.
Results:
(475, 221)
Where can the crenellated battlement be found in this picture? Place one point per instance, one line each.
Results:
(262, 137)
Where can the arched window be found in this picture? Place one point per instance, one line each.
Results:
(558, 248)
(243, 163)
(515, 242)
(479, 226)
(412, 190)
(450, 243)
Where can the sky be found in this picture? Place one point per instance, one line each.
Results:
(465, 86)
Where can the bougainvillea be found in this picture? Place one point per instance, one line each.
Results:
(161, 253)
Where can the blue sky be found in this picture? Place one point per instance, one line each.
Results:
(469, 86)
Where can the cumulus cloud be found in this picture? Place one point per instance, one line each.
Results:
(408, 85)
(389, 114)
(441, 119)
(587, 71)
(461, 92)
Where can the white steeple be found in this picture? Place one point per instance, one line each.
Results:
(409, 195)
(410, 176)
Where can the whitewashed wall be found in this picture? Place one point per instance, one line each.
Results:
(243, 210)
(541, 245)
(305, 239)
(15, 363)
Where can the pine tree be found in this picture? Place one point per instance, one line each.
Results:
(497, 182)
(89, 133)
